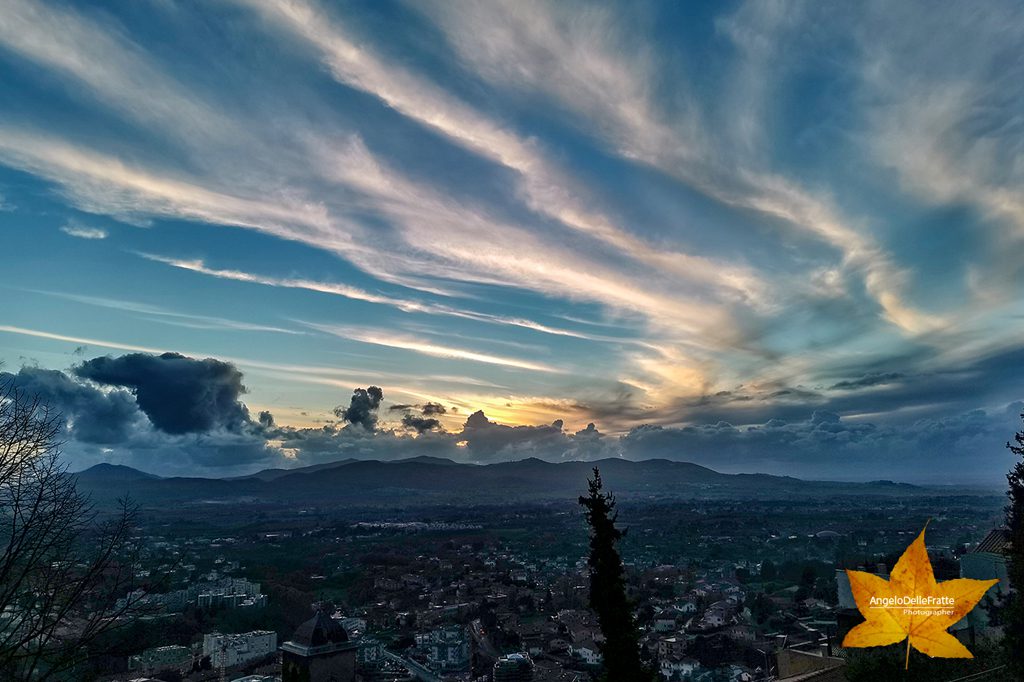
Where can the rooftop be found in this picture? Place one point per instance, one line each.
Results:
(320, 634)
(996, 542)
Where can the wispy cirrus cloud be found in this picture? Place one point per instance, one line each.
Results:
(390, 339)
(743, 215)
(76, 229)
(507, 256)
(511, 254)
(403, 304)
(170, 316)
(117, 72)
(80, 340)
(581, 58)
(335, 289)
(547, 189)
(103, 183)
(951, 133)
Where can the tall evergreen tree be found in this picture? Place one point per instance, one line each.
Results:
(621, 647)
(1013, 618)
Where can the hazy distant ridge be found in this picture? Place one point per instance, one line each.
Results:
(425, 480)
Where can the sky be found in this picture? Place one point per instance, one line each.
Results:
(761, 236)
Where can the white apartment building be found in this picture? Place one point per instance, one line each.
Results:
(234, 649)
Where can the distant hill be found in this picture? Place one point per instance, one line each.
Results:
(431, 480)
(113, 473)
(274, 474)
(422, 459)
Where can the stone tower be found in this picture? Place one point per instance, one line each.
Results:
(319, 651)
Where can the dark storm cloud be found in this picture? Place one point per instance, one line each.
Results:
(91, 415)
(420, 424)
(424, 422)
(107, 425)
(362, 408)
(426, 409)
(179, 394)
(266, 419)
(431, 409)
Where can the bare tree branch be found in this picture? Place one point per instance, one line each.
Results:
(63, 565)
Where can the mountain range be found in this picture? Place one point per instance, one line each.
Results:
(431, 480)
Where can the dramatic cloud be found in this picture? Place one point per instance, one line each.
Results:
(426, 420)
(108, 425)
(420, 424)
(488, 441)
(480, 440)
(550, 210)
(179, 394)
(112, 424)
(430, 409)
(91, 415)
(590, 444)
(362, 408)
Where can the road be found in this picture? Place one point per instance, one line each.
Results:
(476, 629)
(423, 674)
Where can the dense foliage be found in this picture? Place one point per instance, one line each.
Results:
(621, 646)
(1013, 616)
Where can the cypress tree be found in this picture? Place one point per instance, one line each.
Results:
(1013, 618)
(621, 647)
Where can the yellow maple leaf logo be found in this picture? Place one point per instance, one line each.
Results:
(912, 606)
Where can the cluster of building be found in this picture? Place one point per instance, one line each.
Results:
(218, 592)
(445, 649)
(217, 651)
(228, 651)
(488, 613)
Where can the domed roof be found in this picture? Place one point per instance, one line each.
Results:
(319, 630)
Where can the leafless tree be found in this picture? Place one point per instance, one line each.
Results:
(63, 564)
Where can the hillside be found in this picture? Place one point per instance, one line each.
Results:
(418, 481)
